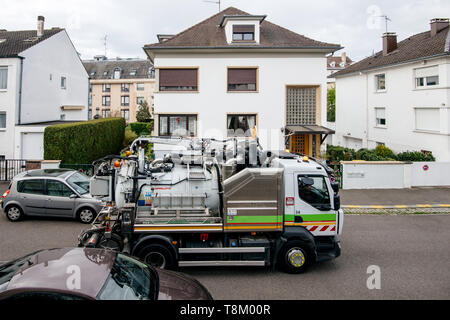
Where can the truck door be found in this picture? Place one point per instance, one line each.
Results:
(314, 204)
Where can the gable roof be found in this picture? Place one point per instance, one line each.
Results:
(126, 66)
(209, 35)
(418, 46)
(15, 42)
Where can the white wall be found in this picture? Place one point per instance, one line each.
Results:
(42, 96)
(438, 174)
(213, 102)
(9, 101)
(356, 100)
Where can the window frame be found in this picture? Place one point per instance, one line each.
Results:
(138, 88)
(123, 100)
(6, 119)
(5, 68)
(377, 124)
(106, 103)
(241, 115)
(106, 113)
(168, 116)
(125, 87)
(256, 68)
(138, 98)
(106, 87)
(242, 34)
(63, 82)
(123, 113)
(377, 82)
(57, 181)
(20, 189)
(330, 193)
(196, 90)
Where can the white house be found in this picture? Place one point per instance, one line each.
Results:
(399, 97)
(234, 74)
(42, 82)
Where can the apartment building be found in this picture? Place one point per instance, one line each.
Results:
(234, 74)
(119, 86)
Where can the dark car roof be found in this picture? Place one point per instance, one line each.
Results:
(51, 269)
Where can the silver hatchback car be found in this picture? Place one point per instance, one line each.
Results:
(50, 193)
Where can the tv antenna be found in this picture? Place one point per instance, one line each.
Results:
(386, 19)
(216, 2)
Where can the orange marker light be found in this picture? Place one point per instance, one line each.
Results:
(128, 153)
(117, 164)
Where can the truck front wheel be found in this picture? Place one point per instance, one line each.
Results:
(295, 257)
(157, 255)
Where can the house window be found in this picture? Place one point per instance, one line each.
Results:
(125, 114)
(125, 101)
(3, 78)
(380, 82)
(90, 100)
(106, 113)
(243, 33)
(106, 101)
(63, 82)
(178, 79)
(380, 117)
(140, 100)
(140, 87)
(105, 73)
(125, 87)
(241, 125)
(2, 120)
(133, 72)
(117, 73)
(151, 73)
(242, 79)
(426, 77)
(89, 114)
(106, 87)
(178, 125)
(428, 119)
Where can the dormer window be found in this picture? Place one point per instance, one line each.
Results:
(243, 33)
(117, 73)
(133, 72)
(333, 64)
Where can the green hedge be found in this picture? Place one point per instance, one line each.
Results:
(142, 128)
(381, 153)
(84, 142)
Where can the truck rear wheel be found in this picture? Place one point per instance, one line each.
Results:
(295, 257)
(157, 255)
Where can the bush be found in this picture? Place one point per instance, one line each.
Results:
(368, 155)
(84, 142)
(337, 154)
(143, 114)
(385, 153)
(416, 156)
(130, 136)
(142, 128)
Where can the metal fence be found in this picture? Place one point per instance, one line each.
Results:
(9, 168)
(87, 169)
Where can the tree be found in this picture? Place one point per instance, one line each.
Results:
(331, 105)
(143, 114)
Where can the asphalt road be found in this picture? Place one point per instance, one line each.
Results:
(413, 253)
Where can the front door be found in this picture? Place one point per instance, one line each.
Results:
(313, 204)
(300, 144)
(58, 198)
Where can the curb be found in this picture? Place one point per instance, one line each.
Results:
(398, 209)
(418, 206)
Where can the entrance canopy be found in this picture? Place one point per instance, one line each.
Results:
(309, 129)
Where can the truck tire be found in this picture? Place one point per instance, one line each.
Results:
(157, 255)
(295, 257)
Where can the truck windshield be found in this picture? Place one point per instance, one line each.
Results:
(129, 280)
(80, 182)
(314, 190)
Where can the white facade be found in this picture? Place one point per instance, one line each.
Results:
(212, 103)
(42, 97)
(415, 117)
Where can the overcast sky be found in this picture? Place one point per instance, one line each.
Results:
(130, 24)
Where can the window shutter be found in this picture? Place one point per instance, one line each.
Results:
(178, 77)
(427, 72)
(244, 28)
(241, 76)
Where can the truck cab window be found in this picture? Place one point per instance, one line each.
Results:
(314, 191)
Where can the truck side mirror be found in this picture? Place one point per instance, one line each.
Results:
(335, 186)
(337, 202)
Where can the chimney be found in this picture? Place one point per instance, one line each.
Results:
(437, 24)
(389, 42)
(40, 26)
(344, 57)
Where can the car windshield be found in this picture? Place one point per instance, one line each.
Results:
(80, 182)
(129, 280)
(8, 270)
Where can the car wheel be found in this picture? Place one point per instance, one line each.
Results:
(86, 215)
(158, 256)
(295, 257)
(14, 213)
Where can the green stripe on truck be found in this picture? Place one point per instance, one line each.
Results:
(311, 217)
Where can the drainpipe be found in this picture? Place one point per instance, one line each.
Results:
(20, 91)
(367, 110)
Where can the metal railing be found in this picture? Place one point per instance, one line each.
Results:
(9, 168)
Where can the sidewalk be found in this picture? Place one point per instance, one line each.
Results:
(396, 197)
